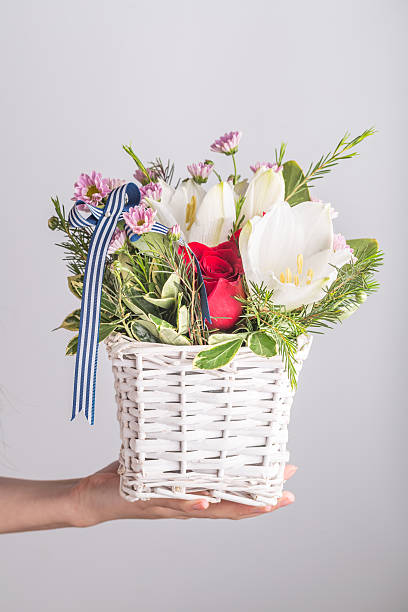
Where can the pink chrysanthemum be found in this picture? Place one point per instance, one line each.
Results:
(340, 244)
(117, 242)
(227, 144)
(140, 219)
(174, 232)
(271, 165)
(153, 191)
(91, 188)
(141, 177)
(114, 183)
(200, 171)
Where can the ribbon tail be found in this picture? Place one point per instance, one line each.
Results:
(205, 310)
(88, 338)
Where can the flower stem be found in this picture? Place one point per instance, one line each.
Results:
(235, 168)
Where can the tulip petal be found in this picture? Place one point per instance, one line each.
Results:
(275, 241)
(251, 273)
(314, 218)
(291, 296)
(164, 214)
(182, 196)
(265, 189)
(215, 216)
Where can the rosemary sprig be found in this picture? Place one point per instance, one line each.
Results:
(279, 155)
(342, 151)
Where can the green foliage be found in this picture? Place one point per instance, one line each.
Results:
(71, 321)
(363, 246)
(262, 344)
(141, 332)
(327, 162)
(354, 282)
(219, 337)
(72, 346)
(279, 155)
(218, 355)
(150, 292)
(293, 176)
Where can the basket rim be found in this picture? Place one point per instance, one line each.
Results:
(120, 343)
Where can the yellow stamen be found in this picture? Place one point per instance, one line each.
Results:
(282, 277)
(309, 276)
(296, 280)
(289, 275)
(191, 212)
(300, 263)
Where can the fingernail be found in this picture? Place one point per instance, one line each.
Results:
(201, 505)
(288, 498)
(291, 470)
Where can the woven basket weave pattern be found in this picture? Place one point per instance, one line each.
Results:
(183, 431)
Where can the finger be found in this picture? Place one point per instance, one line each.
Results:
(231, 510)
(290, 470)
(183, 505)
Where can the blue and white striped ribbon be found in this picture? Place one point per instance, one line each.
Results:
(104, 221)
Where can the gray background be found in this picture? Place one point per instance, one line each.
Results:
(80, 79)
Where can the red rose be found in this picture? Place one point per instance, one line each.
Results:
(221, 267)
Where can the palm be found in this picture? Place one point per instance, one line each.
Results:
(99, 500)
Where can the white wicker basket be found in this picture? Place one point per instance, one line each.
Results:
(184, 431)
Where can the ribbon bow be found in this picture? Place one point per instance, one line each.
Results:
(105, 221)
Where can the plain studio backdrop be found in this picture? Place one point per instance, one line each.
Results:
(79, 80)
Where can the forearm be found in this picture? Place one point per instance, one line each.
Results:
(27, 505)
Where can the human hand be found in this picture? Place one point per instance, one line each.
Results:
(96, 499)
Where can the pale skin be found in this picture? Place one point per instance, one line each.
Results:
(28, 505)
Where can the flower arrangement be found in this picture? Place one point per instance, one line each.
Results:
(264, 250)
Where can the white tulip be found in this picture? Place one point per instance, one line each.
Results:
(265, 189)
(290, 250)
(205, 217)
(215, 216)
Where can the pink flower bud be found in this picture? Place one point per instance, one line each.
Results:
(340, 244)
(152, 191)
(174, 232)
(141, 177)
(271, 165)
(227, 144)
(200, 171)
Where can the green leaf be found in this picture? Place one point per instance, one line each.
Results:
(171, 336)
(165, 303)
(217, 356)
(366, 246)
(124, 264)
(160, 322)
(141, 333)
(133, 298)
(151, 243)
(105, 329)
(171, 287)
(293, 175)
(75, 284)
(262, 344)
(72, 346)
(71, 321)
(218, 338)
(182, 320)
